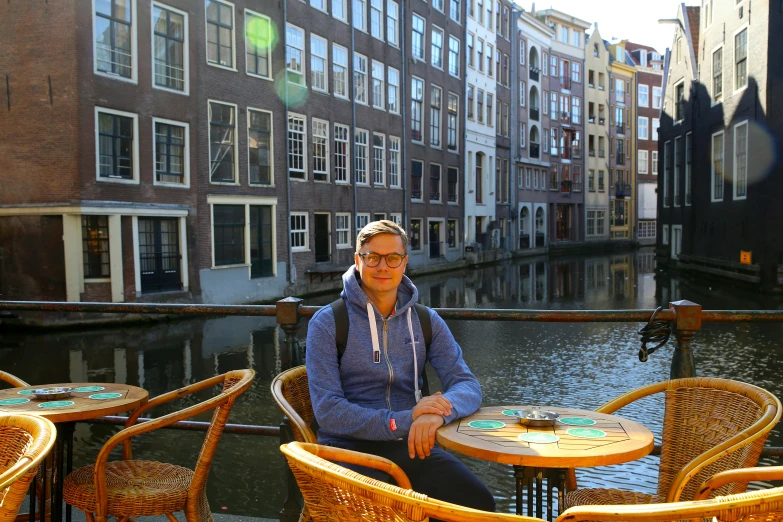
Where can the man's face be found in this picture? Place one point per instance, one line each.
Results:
(381, 279)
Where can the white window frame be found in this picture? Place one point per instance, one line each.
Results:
(654, 163)
(271, 147)
(362, 219)
(344, 230)
(393, 24)
(305, 231)
(347, 142)
(374, 4)
(658, 97)
(423, 36)
(346, 74)
(521, 52)
(436, 126)
(249, 14)
(656, 124)
(367, 157)
(327, 156)
(185, 50)
(323, 9)
(379, 177)
(643, 91)
(665, 234)
(736, 160)
(455, 150)
(360, 21)
(734, 59)
(134, 47)
(135, 118)
(236, 143)
(454, 57)
(185, 160)
(378, 66)
(394, 109)
(429, 184)
(436, 30)
(665, 174)
(722, 134)
(676, 242)
(470, 44)
(340, 13)
(394, 151)
(324, 58)
(396, 217)
(715, 99)
(688, 169)
(453, 11)
(643, 126)
(360, 97)
(304, 146)
(233, 37)
(303, 73)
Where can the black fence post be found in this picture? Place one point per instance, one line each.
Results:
(687, 321)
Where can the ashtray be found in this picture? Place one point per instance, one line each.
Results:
(537, 417)
(52, 394)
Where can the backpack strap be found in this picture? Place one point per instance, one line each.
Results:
(426, 330)
(341, 326)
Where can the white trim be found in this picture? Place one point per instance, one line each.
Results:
(233, 37)
(66, 210)
(236, 143)
(328, 158)
(674, 101)
(269, 20)
(303, 72)
(688, 173)
(734, 160)
(434, 28)
(183, 252)
(325, 59)
(134, 48)
(136, 261)
(676, 172)
(347, 74)
(713, 101)
(712, 165)
(115, 258)
(347, 245)
(186, 155)
(306, 247)
(271, 148)
(135, 118)
(734, 59)
(215, 199)
(72, 248)
(676, 246)
(246, 201)
(185, 48)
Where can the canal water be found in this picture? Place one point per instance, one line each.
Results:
(577, 365)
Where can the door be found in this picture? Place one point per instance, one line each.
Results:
(322, 245)
(261, 260)
(159, 257)
(435, 246)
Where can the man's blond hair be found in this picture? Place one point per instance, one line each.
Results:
(383, 226)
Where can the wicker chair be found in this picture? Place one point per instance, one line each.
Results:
(754, 506)
(709, 425)
(334, 493)
(25, 440)
(13, 380)
(291, 392)
(130, 488)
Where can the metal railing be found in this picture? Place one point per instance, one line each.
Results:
(534, 113)
(534, 73)
(684, 317)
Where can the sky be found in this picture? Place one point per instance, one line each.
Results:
(634, 20)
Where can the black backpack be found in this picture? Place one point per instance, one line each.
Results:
(342, 324)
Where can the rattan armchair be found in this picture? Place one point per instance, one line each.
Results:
(25, 440)
(131, 488)
(291, 392)
(753, 506)
(334, 493)
(13, 380)
(709, 425)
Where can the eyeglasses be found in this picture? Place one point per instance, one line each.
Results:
(393, 260)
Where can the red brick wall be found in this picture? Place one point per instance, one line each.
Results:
(33, 266)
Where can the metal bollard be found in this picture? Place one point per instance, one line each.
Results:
(687, 321)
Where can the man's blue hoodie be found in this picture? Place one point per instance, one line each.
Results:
(359, 398)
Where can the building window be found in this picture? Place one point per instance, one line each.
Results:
(436, 50)
(480, 54)
(379, 160)
(169, 42)
(377, 85)
(644, 95)
(394, 161)
(688, 166)
(642, 126)
(595, 222)
(341, 133)
(296, 146)
(361, 139)
(170, 146)
(417, 99)
(228, 223)
(553, 66)
(376, 18)
(647, 229)
(339, 10)
(601, 183)
(576, 110)
(679, 100)
(117, 149)
(480, 106)
(159, 259)
(591, 180)
(417, 171)
(320, 150)
(665, 238)
(740, 160)
(452, 184)
(454, 10)
(470, 50)
(95, 247)
(258, 44)
(576, 38)
(452, 233)
(717, 74)
(656, 123)
(414, 234)
(220, 33)
(668, 162)
(417, 35)
(360, 78)
(522, 90)
(717, 166)
(522, 135)
(435, 171)
(340, 71)
(479, 177)
(489, 60)
(294, 54)
(656, 101)
(453, 109)
(741, 59)
(654, 163)
(222, 142)
(470, 102)
(114, 37)
(362, 220)
(318, 63)
(435, 104)
(392, 22)
(642, 161)
(343, 229)
(453, 56)
(360, 14)
(394, 90)
(576, 70)
(300, 237)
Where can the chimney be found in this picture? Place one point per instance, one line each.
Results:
(533, 9)
(595, 24)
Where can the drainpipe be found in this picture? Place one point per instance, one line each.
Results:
(514, 116)
(404, 114)
(291, 267)
(352, 94)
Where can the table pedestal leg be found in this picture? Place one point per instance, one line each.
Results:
(531, 479)
(64, 438)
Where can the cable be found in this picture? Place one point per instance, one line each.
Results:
(654, 332)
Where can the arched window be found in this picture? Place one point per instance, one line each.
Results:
(540, 221)
(533, 57)
(535, 142)
(534, 101)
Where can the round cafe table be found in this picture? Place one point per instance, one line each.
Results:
(83, 407)
(623, 440)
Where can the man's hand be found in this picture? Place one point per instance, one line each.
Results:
(421, 437)
(436, 403)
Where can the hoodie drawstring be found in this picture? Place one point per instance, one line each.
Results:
(376, 348)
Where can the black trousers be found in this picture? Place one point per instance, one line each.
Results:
(441, 475)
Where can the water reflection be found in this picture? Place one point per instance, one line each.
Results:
(578, 365)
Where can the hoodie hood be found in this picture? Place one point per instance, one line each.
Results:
(407, 294)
